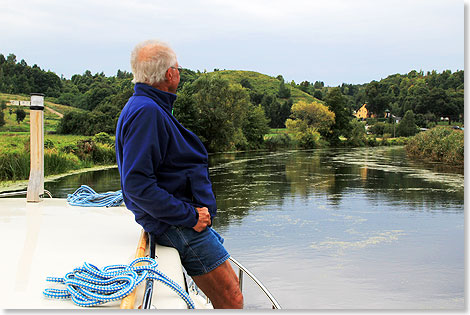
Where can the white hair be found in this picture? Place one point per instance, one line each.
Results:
(150, 60)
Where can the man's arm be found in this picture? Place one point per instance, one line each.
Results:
(144, 146)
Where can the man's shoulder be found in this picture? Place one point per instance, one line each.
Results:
(141, 103)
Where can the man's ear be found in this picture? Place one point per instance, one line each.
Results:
(168, 75)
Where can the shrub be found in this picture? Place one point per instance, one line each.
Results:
(84, 149)
(309, 139)
(20, 115)
(377, 128)
(440, 144)
(104, 138)
(371, 142)
(48, 144)
(357, 137)
(278, 141)
(2, 118)
(103, 154)
(56, 162)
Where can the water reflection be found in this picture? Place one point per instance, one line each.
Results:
(243, 181)
(100, 181)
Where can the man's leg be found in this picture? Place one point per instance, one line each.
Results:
(221, 287)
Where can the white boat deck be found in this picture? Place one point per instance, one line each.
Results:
(50, 238)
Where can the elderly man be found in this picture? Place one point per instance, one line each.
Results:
(165, 176)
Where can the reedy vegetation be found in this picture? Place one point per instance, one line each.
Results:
(441, 144)
(62, 153)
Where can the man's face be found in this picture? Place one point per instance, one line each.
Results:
(174, 78)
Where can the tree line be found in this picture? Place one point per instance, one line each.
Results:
(430, 96)
(16, 77)
(230, 115)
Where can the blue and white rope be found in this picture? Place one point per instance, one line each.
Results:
(85, 196)
(89, 286)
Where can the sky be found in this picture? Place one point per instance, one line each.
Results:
(334, 41)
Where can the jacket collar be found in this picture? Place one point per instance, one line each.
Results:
(162, 98)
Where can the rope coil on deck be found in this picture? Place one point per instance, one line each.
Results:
(85, 196)
(90, 286)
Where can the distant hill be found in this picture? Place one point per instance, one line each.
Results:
(264, 84)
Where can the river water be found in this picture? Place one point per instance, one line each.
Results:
(363, 228)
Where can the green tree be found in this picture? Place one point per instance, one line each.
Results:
(305, 86)
(318, 94)
(97, 94)
(357, 137)
(2, 118)
(284, 91)
(220, 109)
(377, 97)
(255, 127)
(186, 76)
(72, 123)
(20, 115)
(308, 121)
(407, 126)
(184, 108)
(284, 112)
(417, 98)
(246, 83)
(318, 84)
(337, 104)
(272, 107)
(377, 128)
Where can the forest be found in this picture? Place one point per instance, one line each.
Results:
(238, 108)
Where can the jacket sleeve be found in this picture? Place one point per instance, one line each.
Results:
(145, 142)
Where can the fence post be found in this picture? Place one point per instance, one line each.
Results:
(36, 173)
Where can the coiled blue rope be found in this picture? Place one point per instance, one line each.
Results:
(85, 196)
(90, 286)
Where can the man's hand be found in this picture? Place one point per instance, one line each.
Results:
(204, 219)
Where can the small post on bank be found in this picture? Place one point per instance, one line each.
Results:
(36, 173)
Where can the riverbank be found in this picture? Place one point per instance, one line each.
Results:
(439, 144)
(62, 154)
(6, 186)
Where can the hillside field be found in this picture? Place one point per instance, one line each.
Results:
(51, 120)
(263, 83)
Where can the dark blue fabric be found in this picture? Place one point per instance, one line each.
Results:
(163, 166)
(200, 253)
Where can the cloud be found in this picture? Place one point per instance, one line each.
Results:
(332, 41)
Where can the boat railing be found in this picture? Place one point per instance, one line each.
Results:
(243, 270)
(20, 193)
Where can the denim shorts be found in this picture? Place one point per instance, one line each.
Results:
(200, 252)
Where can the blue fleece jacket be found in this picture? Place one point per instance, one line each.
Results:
(163, 166)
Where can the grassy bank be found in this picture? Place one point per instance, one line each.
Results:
(440, 144)
(62, 153)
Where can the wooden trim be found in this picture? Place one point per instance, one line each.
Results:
(128, 301)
